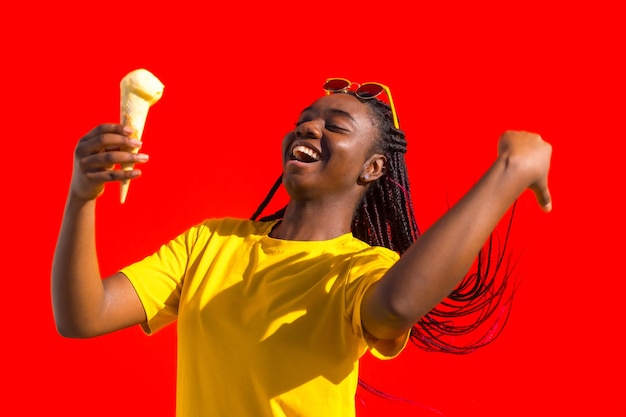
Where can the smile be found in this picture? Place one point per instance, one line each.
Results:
(303, 153)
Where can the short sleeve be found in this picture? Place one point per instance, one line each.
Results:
(365, 270)
(158, 279)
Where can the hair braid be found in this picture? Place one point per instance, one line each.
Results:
(386, 217)
(266, 201)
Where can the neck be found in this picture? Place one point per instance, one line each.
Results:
(309, 221)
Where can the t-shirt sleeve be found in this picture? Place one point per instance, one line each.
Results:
(158, 280)
(366, 269)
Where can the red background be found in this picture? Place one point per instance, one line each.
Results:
(236, 76)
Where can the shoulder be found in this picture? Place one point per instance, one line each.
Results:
(365, 252)
(366, 260)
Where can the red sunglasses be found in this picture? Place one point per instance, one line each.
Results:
(363, 91)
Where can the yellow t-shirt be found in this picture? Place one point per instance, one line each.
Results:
(266, 327)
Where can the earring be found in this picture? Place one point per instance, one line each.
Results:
(366, 177)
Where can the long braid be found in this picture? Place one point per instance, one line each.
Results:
(484, 296)
(386, 217)
(279, 214)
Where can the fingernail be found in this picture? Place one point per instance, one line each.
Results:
(134, 142)
(128, 130)
(142, 157)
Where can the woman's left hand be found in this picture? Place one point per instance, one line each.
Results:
(530, 156)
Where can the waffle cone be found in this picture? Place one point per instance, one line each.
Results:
(139, 91)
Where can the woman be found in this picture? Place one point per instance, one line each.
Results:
(274, 315)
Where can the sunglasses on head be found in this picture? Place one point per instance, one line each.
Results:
(363, 91)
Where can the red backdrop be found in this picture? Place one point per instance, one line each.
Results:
(236, 77)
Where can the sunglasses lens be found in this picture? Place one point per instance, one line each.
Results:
(336, 84)
(369, 90)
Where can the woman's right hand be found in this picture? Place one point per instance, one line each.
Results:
(97, 159)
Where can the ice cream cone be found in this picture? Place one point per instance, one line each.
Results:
(139, 89)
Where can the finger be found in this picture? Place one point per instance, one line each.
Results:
(112, 175)
(102, 129)
(100, 132)
(107, 160)
(107, 143)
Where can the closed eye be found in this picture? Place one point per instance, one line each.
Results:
(330, 126)
(336, 128)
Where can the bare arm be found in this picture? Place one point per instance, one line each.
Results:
(432, 267)
(84, 305)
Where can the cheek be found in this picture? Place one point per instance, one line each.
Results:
(353, 150)
(287, 140)
(350, 157)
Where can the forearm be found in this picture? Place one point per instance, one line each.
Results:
(430, 269)
(77, 289)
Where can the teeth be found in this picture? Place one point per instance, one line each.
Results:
(305, 154)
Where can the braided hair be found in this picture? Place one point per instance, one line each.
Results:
(385, 217)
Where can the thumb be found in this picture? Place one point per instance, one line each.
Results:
(542, 194)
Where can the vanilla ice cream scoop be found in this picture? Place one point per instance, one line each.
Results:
(139, 90)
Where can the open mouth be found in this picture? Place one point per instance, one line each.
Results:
(305, 154)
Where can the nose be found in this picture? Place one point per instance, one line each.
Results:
(309, 129)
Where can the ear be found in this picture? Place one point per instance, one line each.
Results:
(373, 169)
